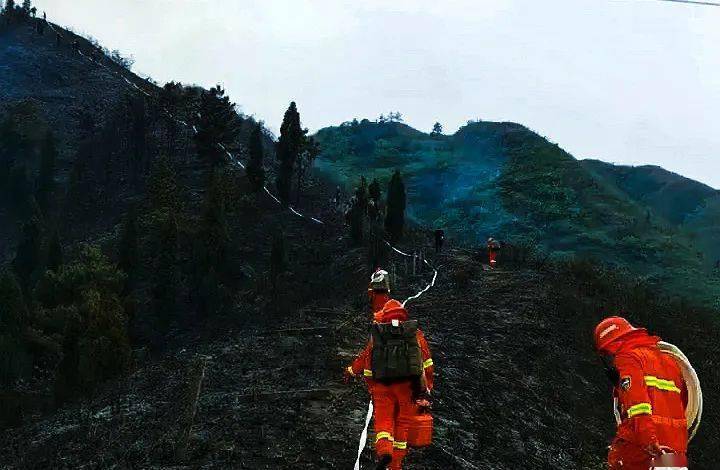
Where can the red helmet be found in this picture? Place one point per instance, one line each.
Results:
(393, 310)
(611, 329)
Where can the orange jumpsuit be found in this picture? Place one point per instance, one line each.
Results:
(393, 402)
(652, 396)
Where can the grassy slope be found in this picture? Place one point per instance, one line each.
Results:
(502, 179)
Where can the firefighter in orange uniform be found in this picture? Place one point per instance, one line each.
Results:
(650, 393)
(401, 379)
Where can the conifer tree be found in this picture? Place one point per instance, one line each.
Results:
(374, 191)
(437, 129)
(46, 179)
(255, 170)
(217, 123)
(288, 149)
(95, 344)
(166, 274)
(309, 150)
(395, 217)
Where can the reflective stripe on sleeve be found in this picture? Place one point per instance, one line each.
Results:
(639, 409)
(400, 445)
(367, 373)
(427, 363)
(661, 384)
(383, 435)
(350, 371)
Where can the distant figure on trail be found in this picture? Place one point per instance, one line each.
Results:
(651, 397)
(493, 247)
(439, 239)
(398, 368)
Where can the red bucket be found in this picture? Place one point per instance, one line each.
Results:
(420, 430)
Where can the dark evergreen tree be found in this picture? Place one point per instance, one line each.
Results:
(288, 149)
(86, 294)
(55, 253)
(163, 192)
(9, 10)
(46, 179)
(212, 248)
(395, 216)
(166, 273)
(28, 256)
(255, 170)
(217, 123)
(374, 191)
(437, 129)
(309, 150)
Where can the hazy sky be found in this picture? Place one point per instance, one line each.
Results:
(626, 81)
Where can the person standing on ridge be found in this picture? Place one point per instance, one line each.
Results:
(402, 379)
(439, 239)
(493, 247)
(651, 396)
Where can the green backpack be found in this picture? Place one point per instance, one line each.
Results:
(396, 353)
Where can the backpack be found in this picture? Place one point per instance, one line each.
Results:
(396, 353)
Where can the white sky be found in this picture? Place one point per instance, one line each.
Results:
(626, 81)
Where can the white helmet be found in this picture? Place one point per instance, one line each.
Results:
(380, 280)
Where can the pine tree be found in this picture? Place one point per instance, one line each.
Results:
(288, 150)
(166, 274)
(437, 129)
(255, 170)
(46, 179)
(95, 344)
(375, 192)
(217, 124)
(395, 218)
(26, 6)
(212, 248)
(55, 253)
(9, 8)
(309, 150)
(27, 258)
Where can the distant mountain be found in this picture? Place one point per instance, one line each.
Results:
(667, 194)
(503, 180)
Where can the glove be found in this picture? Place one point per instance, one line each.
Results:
(655, 450)
(423, 401)
(348, 374)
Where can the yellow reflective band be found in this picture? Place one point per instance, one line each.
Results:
(350, 371)
(661, 384)
(400, 445)
(639, 409)
(427, 363)
(383, 435)
(367, 373)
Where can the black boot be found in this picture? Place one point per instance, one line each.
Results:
(383, 462)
